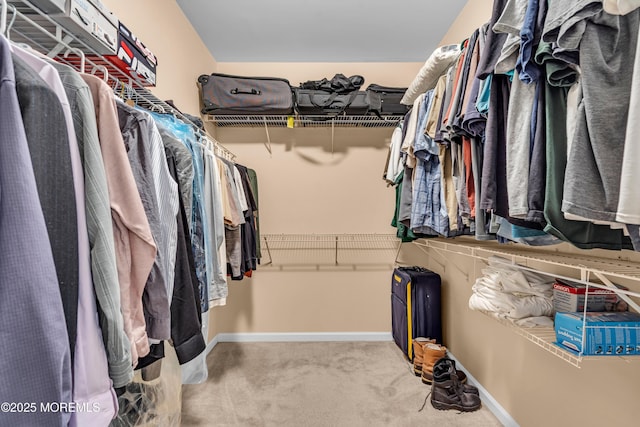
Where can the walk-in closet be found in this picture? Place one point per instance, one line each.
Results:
(173, 256)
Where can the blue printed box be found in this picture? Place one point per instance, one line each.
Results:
(606, 334)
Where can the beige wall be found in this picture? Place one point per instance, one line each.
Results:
(182, 56)
(473, 15)
(309, 185)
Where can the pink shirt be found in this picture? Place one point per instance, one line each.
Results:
(134, 244)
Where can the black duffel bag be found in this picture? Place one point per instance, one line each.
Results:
(385, 100)
(340, 95)
(312, 102)
(223, 94)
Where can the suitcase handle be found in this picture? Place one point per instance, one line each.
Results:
(244, 92)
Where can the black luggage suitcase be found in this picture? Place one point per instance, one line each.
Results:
(415, 307)
(385, 101)
(312, 102)
(223, 94)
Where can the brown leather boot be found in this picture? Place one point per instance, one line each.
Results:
(432, 352)
(418, 353)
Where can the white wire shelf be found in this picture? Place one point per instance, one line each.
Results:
(329, 250)
(25, 24)
(586, 267)
(296, 121)
(545, 338)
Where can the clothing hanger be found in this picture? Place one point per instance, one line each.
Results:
(78, 52)
(7, 27)
(105, 72)
(3, 16)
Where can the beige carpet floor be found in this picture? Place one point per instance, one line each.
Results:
(317, 385)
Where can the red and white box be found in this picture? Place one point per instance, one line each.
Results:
(134, 58)
(571, 296)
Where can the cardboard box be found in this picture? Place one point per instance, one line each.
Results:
(570, 297)
(91, 22)
(134, 58)
(606, 334)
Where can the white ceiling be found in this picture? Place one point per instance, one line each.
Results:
(321, 30)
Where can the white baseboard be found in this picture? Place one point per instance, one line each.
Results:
(212, 344)
(487, 400)
(303, 336)
(297, 336)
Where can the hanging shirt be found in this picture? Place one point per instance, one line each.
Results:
(410, 132)
(518, 139)
(538, 163)
(628, 204)
(530, 35)
(103, 260)
(520, 109)
(199, 227)
(510, 23)
(134, 246)
(436, 104)
(49, 149)
(249, 235)
(496, 121)
(134, 126)
(237, 179)
(474, 120)
(448, 199)
(440, 134)
(425, 213)
(606, 45)
(30, 303)
(167, 196)
(468, 93)
(186, 320)
(233, 236)
(253, 179)
(184, 162)
(394, 166)
(218, 289)
(91, 375)
(584, 235)
(493, 45)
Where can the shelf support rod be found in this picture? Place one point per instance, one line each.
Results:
(624, 297)
(266, 128)
(333, 128)
(266, 244)
(395, 261)
(62, 43)
(336, 259)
